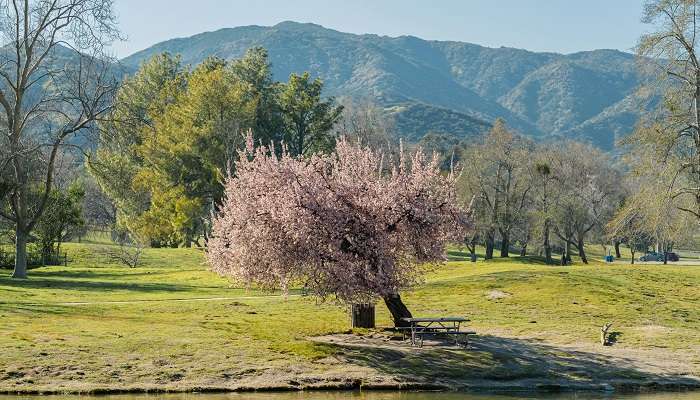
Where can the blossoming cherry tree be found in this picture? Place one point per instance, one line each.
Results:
(344, 225)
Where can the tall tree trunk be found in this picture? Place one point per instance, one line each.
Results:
(523, 249)
(489, 246)
(567, 253)
(472, 252)
(581, 252)
(397, 309)
(471, 246)
(505, 244)
(616, 243)
(545, 243)
(20, 271)
(300, 140)
(632, 251)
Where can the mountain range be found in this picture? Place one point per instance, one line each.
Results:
(448, 87)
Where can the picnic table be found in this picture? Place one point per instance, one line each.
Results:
(436, 326)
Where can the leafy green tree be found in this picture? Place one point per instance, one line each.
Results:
(255, 71)
(163, 160)
(308, 119)
(119, 159)
(195, 142)
(62, 219)
(175, 134)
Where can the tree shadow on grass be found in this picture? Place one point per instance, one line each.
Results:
(62, 282)
(462, 255)
(495, 362)
(613, 337)
(35, 309)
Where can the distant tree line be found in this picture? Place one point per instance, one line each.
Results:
(160, 144)
(533, 196)
(557, 196)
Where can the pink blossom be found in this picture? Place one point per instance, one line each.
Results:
(338, 224)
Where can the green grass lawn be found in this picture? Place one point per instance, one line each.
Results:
(136, 332)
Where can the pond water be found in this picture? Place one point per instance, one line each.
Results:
(369, 396)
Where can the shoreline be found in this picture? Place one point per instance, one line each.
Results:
(345, 372)
(485, 387)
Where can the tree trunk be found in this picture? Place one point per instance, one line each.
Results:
(20, 271)
(567, 253)
(471, 246)
(581, 252)
(362, 316)
(504, 244)
(472, 252)
(300, 140)
(397, 309)
(489, 246)
(546, 245)
(632, 251)
(617, 249)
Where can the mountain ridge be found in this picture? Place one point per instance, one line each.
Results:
(538, 93)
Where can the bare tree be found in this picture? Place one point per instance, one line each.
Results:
(497, 176)
(629, 226)
(128, 251)
(364, 122)
(544, 182)
(54, 83)
(588, 194)
(649, 216)
(672, 134)
(99, 211)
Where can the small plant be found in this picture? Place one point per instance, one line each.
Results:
(129, 255)
(128, 251)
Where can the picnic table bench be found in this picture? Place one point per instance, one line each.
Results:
(437, 326)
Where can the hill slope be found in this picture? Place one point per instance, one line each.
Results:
(574, 95)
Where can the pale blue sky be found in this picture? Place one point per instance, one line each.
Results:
(541, 25)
